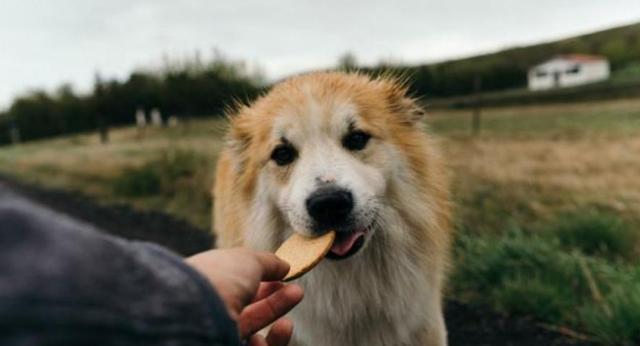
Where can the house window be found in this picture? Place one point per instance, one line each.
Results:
(573, 69)
(541, 73)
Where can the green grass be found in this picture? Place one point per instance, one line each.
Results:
(488, 207)
(137, 182)
(161, 175)
(622, 325)
(597, 234)
(519, 273)
(514, 257)
(172, 181)
(630, 71)
(549, 121)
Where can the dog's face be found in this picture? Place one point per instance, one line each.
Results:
(321, 154)
(328, 169)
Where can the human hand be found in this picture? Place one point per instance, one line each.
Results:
(247, 282)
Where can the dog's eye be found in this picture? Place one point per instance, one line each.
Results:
(284, 154)
(356, 140)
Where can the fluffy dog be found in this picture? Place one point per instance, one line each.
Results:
(346, 152)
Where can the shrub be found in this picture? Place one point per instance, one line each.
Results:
(622, 325)
(519, 273)
(137, 182)
(595, 233)
(177, 181)
(160, 176)
(535, 275)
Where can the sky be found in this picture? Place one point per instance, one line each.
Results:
(44, 44)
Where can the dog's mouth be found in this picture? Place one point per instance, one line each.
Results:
(347, 244)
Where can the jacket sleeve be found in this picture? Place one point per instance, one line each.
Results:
(63, 282)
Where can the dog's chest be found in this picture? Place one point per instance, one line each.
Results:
(361, 305)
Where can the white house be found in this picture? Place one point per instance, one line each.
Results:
(568, 70)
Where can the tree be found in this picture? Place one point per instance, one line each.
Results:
(101, 107)
(347, 62)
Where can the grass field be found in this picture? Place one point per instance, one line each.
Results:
(548, 201)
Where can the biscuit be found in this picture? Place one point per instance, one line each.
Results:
(303, 253)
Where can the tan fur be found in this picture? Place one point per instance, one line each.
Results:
(420, 200)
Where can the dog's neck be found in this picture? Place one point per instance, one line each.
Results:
(376, 297)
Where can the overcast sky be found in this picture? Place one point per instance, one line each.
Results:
(46, 43)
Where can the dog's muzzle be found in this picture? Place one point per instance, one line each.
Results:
(331, 208)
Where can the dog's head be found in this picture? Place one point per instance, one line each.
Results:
(321, 151)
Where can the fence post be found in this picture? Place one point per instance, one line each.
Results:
(477, 105)
(156, 118)
(141, 122)
(103, 129)
(14, 132)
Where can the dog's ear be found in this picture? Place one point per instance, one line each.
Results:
(239, 140)
(407, 108)
(410, 110)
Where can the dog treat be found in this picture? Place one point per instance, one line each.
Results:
(303, 253)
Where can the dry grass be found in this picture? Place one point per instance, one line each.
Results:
(529, 162)
(580, 171)
(82, 163)
(618, 117)
(73, 162)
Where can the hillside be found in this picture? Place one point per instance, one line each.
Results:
(507, 69)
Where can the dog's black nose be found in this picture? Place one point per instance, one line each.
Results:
(330, 207)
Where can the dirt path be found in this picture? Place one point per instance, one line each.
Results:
(467, 325)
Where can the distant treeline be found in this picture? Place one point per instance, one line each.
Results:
(189, 87)
(194, 88)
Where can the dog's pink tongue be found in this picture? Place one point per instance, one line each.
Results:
(341, 246)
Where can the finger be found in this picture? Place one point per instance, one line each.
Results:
(264, 312)
(273, 268)
(280, 333)
(266, 289)
(257, 340)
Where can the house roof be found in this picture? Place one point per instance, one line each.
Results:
(582, 57)
(572, 58)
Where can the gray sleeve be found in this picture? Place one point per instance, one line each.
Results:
(66, 283)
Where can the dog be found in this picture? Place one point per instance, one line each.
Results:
(346, 152)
